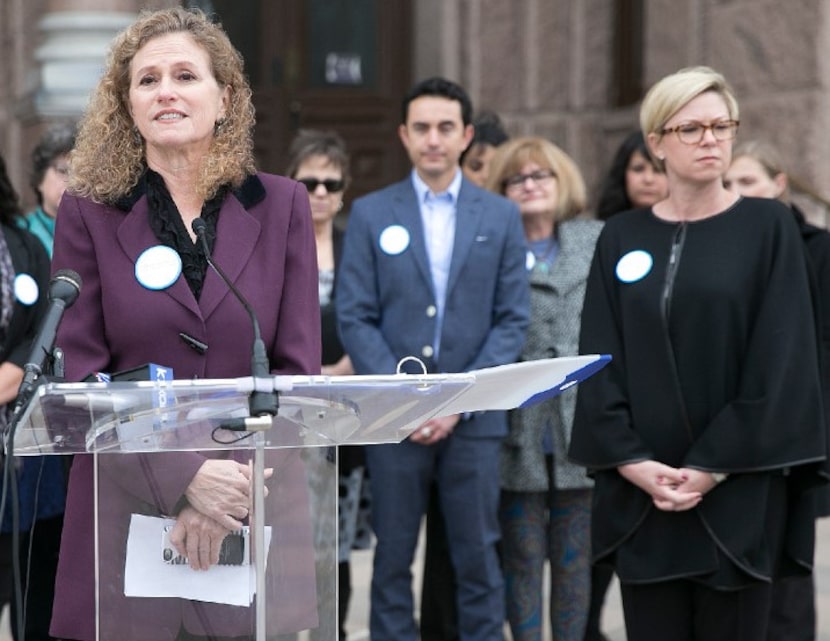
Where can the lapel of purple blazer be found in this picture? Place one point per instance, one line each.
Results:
(237, 233)
(236, 236)
(135, 235)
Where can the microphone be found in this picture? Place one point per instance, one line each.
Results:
(261, 403)
(64, 289)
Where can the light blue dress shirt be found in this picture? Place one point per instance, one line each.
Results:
(438, 218)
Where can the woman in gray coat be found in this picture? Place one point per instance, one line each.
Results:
(546, 500)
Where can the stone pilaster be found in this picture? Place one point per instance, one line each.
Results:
(70, 58)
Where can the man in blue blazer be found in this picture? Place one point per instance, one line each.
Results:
(433, 267)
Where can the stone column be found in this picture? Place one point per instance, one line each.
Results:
(74, 40)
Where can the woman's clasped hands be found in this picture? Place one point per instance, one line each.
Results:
(671, 489)
(219, 498)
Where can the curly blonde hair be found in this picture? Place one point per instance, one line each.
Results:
(109, 156)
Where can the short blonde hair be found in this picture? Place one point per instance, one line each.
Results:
(672, 93)
(512, 155)
(109, 155)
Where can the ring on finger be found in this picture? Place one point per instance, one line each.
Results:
(426, 432)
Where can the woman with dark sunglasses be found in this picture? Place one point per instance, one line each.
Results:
(319, 160)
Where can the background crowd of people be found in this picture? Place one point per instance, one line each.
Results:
(692, 466)
(656, 432)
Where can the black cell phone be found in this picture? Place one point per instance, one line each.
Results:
(234, 550)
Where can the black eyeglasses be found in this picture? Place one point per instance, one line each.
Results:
(330, 184)
(518, 181)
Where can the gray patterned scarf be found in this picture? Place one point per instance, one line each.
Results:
(7, 275)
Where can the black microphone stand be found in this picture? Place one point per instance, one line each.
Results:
(52, 371)
(10, 482)
(263, 405)
(41, 366)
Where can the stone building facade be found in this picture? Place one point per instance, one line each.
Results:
(570, 70)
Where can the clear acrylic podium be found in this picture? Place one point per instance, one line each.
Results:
(277, 580)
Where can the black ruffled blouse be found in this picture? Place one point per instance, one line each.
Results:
(167, 225)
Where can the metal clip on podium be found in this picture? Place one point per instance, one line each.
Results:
(278, 577)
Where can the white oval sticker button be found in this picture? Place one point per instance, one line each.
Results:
(394, 240)
(158, 267)
(26, 289)
(634, 266)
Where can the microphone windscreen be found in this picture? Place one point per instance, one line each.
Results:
(65, 286)
(198, 226)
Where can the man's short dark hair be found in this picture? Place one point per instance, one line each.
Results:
(487, 130)
(441, 87)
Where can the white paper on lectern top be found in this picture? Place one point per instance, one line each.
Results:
(521, 384)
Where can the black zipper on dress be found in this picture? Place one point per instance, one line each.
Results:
(671, 269)
(668, 288)
(678, 240)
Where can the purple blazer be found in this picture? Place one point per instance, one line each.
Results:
(265, 244)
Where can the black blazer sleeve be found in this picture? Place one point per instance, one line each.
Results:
(28, 257)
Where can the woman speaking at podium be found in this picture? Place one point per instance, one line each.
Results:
(167, 139)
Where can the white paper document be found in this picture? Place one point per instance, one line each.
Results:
(505, 387)
(147, 575)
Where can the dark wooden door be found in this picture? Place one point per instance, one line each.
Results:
(327, 64)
